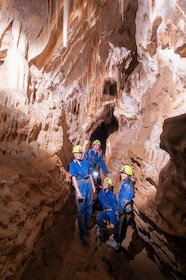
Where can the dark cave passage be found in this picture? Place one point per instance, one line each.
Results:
(107, 127)
(100, 133)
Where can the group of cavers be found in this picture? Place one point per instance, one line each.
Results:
(113, 212)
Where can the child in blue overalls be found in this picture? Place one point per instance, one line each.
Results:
(124, 208)
(108, 201)
(84, 187)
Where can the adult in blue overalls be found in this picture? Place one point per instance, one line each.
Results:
(108, 201)
(84, 187)
(124, 208)
(96, 161)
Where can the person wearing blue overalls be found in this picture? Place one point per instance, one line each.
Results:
(108, 201)
(84, 187)
(124, 208)
(96, 161)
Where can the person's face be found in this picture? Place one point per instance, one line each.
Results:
(96, 147)
(124, 176)
(78, 156)
(105, 185)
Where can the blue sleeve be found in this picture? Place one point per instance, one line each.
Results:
(85, 156)
(113, 201)
(125, 196)
(102, 165)
(91, 157)
(79, 171)
(72, 169)
(113, 216)
(108, 200)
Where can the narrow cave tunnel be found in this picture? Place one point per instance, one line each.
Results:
(103, 131)
(109, 123)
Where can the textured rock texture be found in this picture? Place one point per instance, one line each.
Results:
(68, 69)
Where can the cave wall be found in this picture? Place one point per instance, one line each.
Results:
(52, 97)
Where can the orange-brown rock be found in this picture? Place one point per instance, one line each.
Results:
(115, 68)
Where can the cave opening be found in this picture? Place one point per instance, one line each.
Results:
(104, 129)
(110, 88)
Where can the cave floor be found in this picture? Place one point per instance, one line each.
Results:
(60, 255)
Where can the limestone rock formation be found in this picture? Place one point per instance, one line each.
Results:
(70, 69)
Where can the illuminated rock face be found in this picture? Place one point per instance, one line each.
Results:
(123, 69)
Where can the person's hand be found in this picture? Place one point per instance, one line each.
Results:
(79, 195)
(108, 175)
(93, 189)
(117, 213)
(94, 195)
(112, 226)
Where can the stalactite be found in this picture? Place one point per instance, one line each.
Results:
(71, 113)
(87, 91)
(47, 8)
(121, 7)
(98, 75)
(56, 12)
(95, 73)
(89, 13)
(48, 16)
(77, 7)
(50, 9)
(101, 85)
(65, 22)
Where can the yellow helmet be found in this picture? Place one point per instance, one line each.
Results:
(77, 149)
(127, 170)
(96, 142)
(108, 181)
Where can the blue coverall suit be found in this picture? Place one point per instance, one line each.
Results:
(125, 197)
(108, 201)
(84, 208)
(93, 157)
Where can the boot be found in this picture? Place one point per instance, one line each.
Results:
(113, 244)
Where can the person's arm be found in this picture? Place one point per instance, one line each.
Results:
(73, 172)
(92, 183)
(126, 194)
(113, 214)
(75, 184)
(85, 156)
(103, 166)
